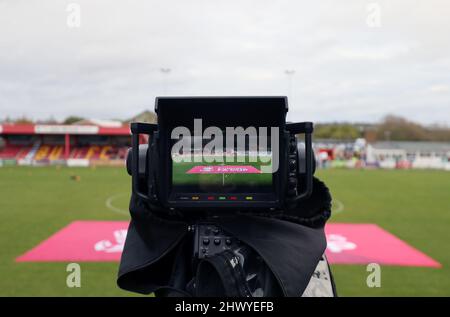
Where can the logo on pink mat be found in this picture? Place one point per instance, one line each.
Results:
(337, 243)
(114, 246)
(224, 169)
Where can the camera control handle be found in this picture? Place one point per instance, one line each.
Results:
(138, 128)
(307, 129)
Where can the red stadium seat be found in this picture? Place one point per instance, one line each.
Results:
(10, 151)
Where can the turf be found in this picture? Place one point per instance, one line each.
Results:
(414, 206)
(37, 202)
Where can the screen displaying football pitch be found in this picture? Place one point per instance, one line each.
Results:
(225, 173)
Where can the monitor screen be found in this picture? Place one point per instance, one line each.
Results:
(196, 170)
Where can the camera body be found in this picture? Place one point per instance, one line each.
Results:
(223, 154)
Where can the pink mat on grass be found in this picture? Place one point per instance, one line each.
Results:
(368, 243)
(83, 241)
(99, 241)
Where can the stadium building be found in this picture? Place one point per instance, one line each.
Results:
(382, 154)
(406, 154)
(100, 142)
(81, 144)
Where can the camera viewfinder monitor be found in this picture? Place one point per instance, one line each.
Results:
(221, 151)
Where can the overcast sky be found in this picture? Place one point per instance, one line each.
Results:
(351, 63)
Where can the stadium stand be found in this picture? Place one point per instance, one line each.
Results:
(93, 142)
(56, 144)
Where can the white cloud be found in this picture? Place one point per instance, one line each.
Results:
(440, 89)
(110, 67)
(372, 53)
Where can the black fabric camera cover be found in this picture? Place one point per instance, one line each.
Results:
(157, 258)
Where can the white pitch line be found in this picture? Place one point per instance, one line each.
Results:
(339, 206)
(110, 206)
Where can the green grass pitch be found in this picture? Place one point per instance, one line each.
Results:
(37, 202)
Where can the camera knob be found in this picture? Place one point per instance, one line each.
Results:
(292, 164)
(293, 145)
(292, 182)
